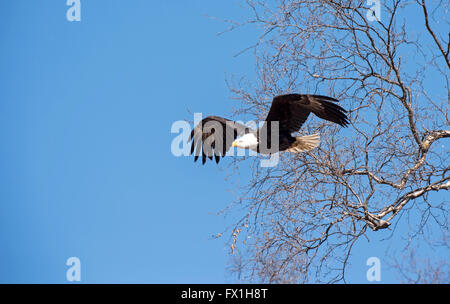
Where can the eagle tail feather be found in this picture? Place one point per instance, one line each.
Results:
(304, 143)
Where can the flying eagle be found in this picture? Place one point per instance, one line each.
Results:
(214, 135)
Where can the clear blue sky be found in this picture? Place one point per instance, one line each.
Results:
(86, 168)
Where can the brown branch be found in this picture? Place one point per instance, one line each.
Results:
(436, 40)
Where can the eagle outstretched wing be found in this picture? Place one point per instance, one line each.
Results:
(213, 136)
(292, 110)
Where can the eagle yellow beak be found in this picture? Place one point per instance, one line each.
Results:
(234, 144)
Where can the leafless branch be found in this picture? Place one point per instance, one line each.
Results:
(302, 218)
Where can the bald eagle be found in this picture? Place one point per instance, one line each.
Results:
(214, 135)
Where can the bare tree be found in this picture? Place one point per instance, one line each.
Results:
(303, 217)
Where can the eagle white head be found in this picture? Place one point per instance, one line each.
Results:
(247, 141)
